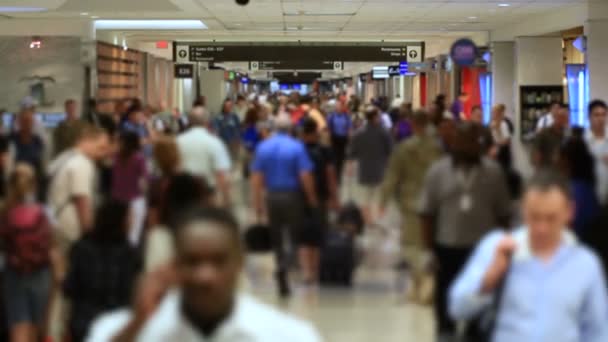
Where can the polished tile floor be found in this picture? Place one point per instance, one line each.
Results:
(365, 313)
(373, 310)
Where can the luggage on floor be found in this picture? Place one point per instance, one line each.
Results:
(351, 215)
(258, 239)
(338, 258)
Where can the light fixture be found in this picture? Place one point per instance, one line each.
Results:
(19, 9)
(504, 5)
(150, 25)
(472, 17)
(35, 43)
(84, 13)
(94, 17)
(318, 14)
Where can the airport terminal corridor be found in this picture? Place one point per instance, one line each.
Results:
(303, 171)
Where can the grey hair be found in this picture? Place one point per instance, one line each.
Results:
(198, 117)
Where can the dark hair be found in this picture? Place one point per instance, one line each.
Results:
(546, 179)
(221, 217)
(200, 101)
(309, 126)
(69, 102)
(226, 101)
(554, 103)
(371, 113)
(134, 108)
(564, 106)
(240, 97)
(251, 118)
(546, 146)
(111, 222)
(595, 104)
(184, 193)
(420, 118)
(129, 144)
(579, 160)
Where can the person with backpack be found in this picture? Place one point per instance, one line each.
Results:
(25, 232)
(103, 267)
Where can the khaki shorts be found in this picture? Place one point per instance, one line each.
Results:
(366, 195)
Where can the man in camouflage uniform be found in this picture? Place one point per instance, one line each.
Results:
(403, 181)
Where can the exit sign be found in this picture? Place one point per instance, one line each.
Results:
(162, 44)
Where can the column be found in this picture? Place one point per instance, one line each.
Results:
(213, 87)
(538, 61)
(503, 75)
(597, 49)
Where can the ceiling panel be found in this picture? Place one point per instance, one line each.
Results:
(118, 6)
(374, 18)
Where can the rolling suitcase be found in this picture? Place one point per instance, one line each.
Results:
(337, 258)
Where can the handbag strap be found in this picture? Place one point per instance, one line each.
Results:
(497, 299)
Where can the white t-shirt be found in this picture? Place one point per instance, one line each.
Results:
(251, 321)
(73, 174)
(203, 154)
(599, 149)
(545, 121)
(387, 123)
(502, 133)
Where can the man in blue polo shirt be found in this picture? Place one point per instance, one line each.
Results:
(283, 168)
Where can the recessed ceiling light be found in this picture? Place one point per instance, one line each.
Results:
(150, 25)
(94, 17)
(238, 24)
(472, 17)
(17, 9)
(84, 13)
(504, 5)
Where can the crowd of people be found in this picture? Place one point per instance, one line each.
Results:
(119, 226)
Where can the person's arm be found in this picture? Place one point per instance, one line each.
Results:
(222, 171)
(429, 206)
(151, 289)
(257, 192)
(308, 185)
(472, 290)
(594, 316)
(307, 180)
(391, 180)
(223, 185)
(84, 211)
(332, 183)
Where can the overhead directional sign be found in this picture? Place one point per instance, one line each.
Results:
(311, 52)
(295, 65)
(182, 53)
(415, 54)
